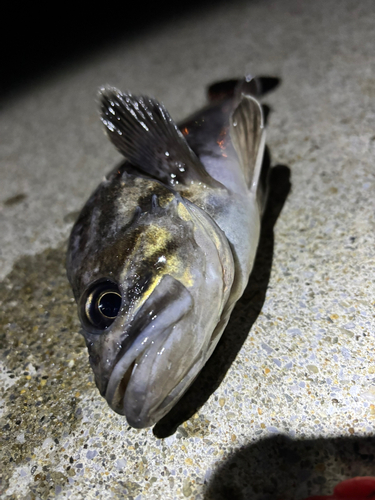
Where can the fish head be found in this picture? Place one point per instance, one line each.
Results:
(151, 284)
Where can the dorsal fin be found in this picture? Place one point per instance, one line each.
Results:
(248, 137)
(143, 131)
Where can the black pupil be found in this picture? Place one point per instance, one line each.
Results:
(109, 304)
(102, 305)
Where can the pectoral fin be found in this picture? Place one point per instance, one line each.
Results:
(248, 137)
(143, 131)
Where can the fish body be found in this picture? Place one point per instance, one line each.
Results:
(164, 246)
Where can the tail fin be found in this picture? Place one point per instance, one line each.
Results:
(248, 137)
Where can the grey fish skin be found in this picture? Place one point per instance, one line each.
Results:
(163, 248)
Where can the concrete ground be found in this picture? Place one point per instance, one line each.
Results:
(286, 406)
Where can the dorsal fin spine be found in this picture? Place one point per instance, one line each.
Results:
(142, 130)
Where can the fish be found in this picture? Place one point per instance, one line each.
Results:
(163, 248)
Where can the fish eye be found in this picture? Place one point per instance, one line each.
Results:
(102, 305)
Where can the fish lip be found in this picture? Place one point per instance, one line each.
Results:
(124, 360)
(149, 414)
(115, 394)
(162, 407)
(169, 302)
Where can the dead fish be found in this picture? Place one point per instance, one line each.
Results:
(164, 246)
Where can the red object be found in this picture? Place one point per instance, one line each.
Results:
(357, 488)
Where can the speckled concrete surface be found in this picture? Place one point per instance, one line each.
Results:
(295, 410)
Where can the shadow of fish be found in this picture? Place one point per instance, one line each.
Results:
(164, 247)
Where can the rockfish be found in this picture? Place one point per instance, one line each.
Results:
(163, 248)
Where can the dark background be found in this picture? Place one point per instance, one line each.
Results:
(35, 40)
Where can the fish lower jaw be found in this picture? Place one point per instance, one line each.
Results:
(118, 403)
(118, 383)
(135, 407)
(136, 410)
(128, 393)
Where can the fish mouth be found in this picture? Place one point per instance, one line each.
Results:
(123, 376)
(132, 384)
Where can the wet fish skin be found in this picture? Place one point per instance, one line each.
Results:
(163, 248)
